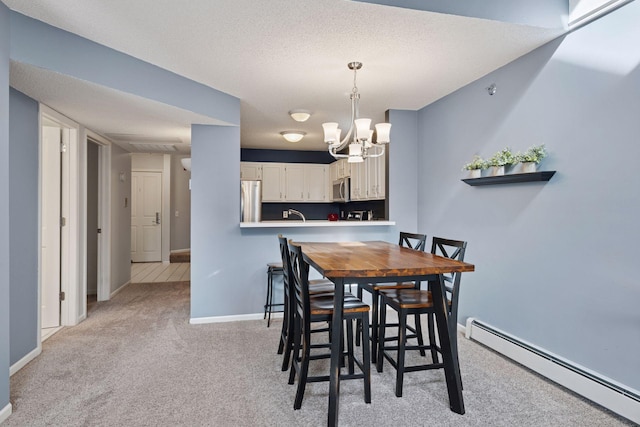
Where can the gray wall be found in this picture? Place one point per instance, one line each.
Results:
(23, 233)
(120, 218)
(555, 262)
(180, 202)
(4, 207)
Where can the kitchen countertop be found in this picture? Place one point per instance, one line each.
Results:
(315, 223)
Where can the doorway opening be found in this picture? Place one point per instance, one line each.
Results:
(97, 277)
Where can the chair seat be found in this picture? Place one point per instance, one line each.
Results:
(409, 298)
(382, 286)
(274, 266)
(323, 305)
(321, 286)
(403, 298)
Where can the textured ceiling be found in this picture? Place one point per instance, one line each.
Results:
(275, 56)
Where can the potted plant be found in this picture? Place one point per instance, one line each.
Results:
(475, 166)
(531, 158)
(499, 160)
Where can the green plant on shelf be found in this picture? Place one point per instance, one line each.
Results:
(477, 163)
(533, 154)
(503, 157)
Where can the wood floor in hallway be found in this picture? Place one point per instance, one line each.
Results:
(147, 272)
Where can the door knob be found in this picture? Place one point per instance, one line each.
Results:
(157, 217)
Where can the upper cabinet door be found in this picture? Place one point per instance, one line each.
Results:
(315, 183)
(273, 187)
(295, 189)
(376, 177)
(250, 170)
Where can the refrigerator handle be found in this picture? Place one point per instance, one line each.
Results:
(241, 202)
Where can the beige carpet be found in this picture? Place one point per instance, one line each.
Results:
(136, 361)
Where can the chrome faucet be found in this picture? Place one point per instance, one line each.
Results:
(295, 212)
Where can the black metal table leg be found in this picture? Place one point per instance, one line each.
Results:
(451, 367)
(336, 332)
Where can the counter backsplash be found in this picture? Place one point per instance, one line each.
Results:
(320, 211)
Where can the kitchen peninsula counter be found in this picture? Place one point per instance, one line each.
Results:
(315, 223)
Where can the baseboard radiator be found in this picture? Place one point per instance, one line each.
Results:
(604, 391)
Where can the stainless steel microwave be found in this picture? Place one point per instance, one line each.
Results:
(342, 190)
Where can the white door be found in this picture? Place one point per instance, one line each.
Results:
(146, 209)
(51, 217)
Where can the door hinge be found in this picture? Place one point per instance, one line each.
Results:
(63, 147)
(62, 295)
(63, 221)
(99, 230)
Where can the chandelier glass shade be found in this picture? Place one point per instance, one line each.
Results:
(359, 137)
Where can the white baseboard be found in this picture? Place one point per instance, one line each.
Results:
(233, 318)
(595, 387)
(22, 362)
(5, 413)
(177, 251)
(114, 293)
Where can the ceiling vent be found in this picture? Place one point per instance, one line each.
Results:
(149, 147)
(145, 144)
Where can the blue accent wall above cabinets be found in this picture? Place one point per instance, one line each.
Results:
(285, 156)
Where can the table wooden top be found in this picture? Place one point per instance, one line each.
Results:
(376, 259)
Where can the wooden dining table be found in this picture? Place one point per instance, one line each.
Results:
(382, 262)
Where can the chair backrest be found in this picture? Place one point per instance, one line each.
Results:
(300, 283)
(413, 241)
(286, 272)
(453, 249)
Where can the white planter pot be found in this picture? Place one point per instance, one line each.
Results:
(496, 170)
(475, 173)
(529, 167)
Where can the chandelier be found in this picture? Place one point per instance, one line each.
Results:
(359, 138)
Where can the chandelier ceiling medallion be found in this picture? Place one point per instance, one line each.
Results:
(361, 144)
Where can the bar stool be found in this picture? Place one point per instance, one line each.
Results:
(273, 269)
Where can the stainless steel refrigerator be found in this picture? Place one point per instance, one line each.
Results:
(250, 201)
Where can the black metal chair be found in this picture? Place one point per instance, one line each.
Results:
(411, 241)
(417, 302)
(273, 269)
(316, 287)
(319, 308)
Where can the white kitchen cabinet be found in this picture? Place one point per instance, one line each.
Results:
(359, 181)
(333, 171)
(376, 177)
(250, 170)
(294, 183)
(368, 179)
(343, 168)
(273, 182)
(290, 182)
(315, 183)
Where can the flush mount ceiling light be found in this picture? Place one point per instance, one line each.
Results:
(292, 135)
(300, 115)
(361, 145)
